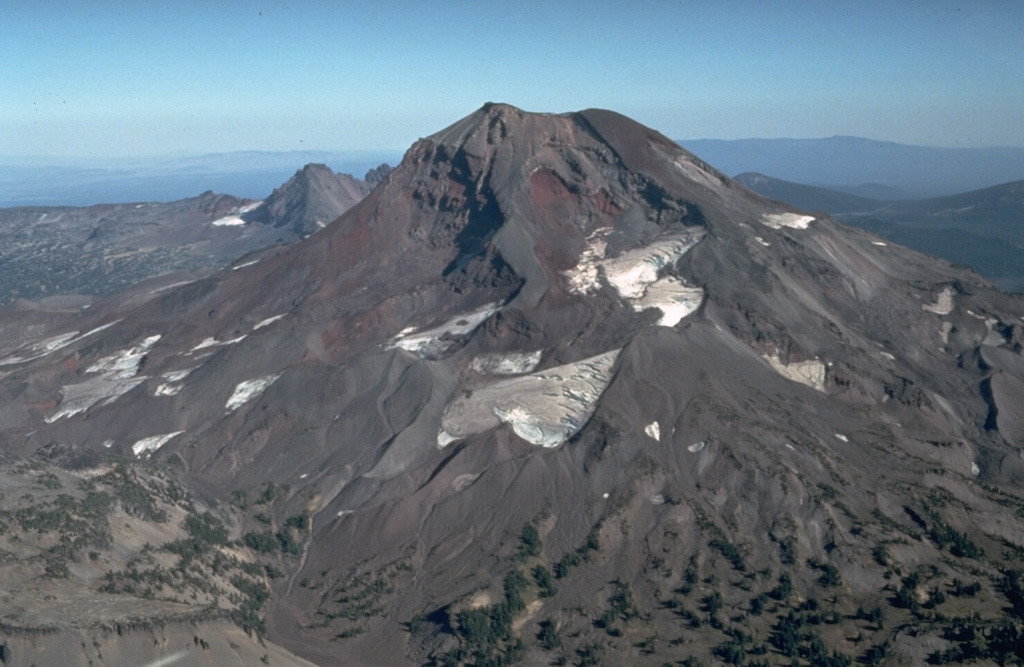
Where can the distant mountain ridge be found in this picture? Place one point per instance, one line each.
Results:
(806, 197)
(96, 250)
(843, 162)
(983, 228)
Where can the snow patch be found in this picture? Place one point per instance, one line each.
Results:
(674, 298)
(653, 430)
(762, 242)
(634, 275)
(943, 303)
(268, 321)
(944, 332)
(879, 243)
(544, 408)
(993, 338)
(249, 389)
(698, 174)
(228, 221)
(631, 272)
(696, 447)
(790, 220)
(45, 347)
(810, 373)
(584, 278)
(213, 342)
(975, 470)
(840, 436)
(171, 286)
(125, 361)
(173, 382)
(242, 266)
(167, 389)
(657, 499)
(151, 444)
(436, 341)
(444, 438)
(234, 219)
(118, 377)
(76, 398)
(510, 363)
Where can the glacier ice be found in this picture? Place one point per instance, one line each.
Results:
(545, 408)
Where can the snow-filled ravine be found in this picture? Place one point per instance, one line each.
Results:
(436, 341)
(545, 408)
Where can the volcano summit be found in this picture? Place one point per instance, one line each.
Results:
(558, 390)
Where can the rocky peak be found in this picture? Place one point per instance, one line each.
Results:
(309, 200)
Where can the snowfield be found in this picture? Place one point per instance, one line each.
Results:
(634, 275)
(245, 391)
(791, 220)
(544, 408)
(433, 342)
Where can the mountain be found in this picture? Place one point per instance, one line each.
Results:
(867, 167)
(807, 197)
(983, 228)
(310, 199)
(555, 390)
(48, 253)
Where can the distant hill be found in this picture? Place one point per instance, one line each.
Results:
(807, 197)
(904, 171)
(982, 228)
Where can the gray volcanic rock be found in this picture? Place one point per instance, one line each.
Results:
(377, 174)
(310, 199)
(558, 389)
(98, 250)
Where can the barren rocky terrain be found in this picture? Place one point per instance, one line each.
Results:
(555, 392)
(49, 253)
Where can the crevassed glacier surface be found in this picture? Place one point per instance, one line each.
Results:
(545, 408)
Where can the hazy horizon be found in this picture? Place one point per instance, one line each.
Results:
(120, 80)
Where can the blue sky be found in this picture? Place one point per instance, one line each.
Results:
(88, 79)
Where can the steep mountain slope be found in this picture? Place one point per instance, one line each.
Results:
(557, 389)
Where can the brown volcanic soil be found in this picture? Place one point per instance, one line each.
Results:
(833, 421)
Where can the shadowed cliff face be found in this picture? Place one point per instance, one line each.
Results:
(563, 342)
